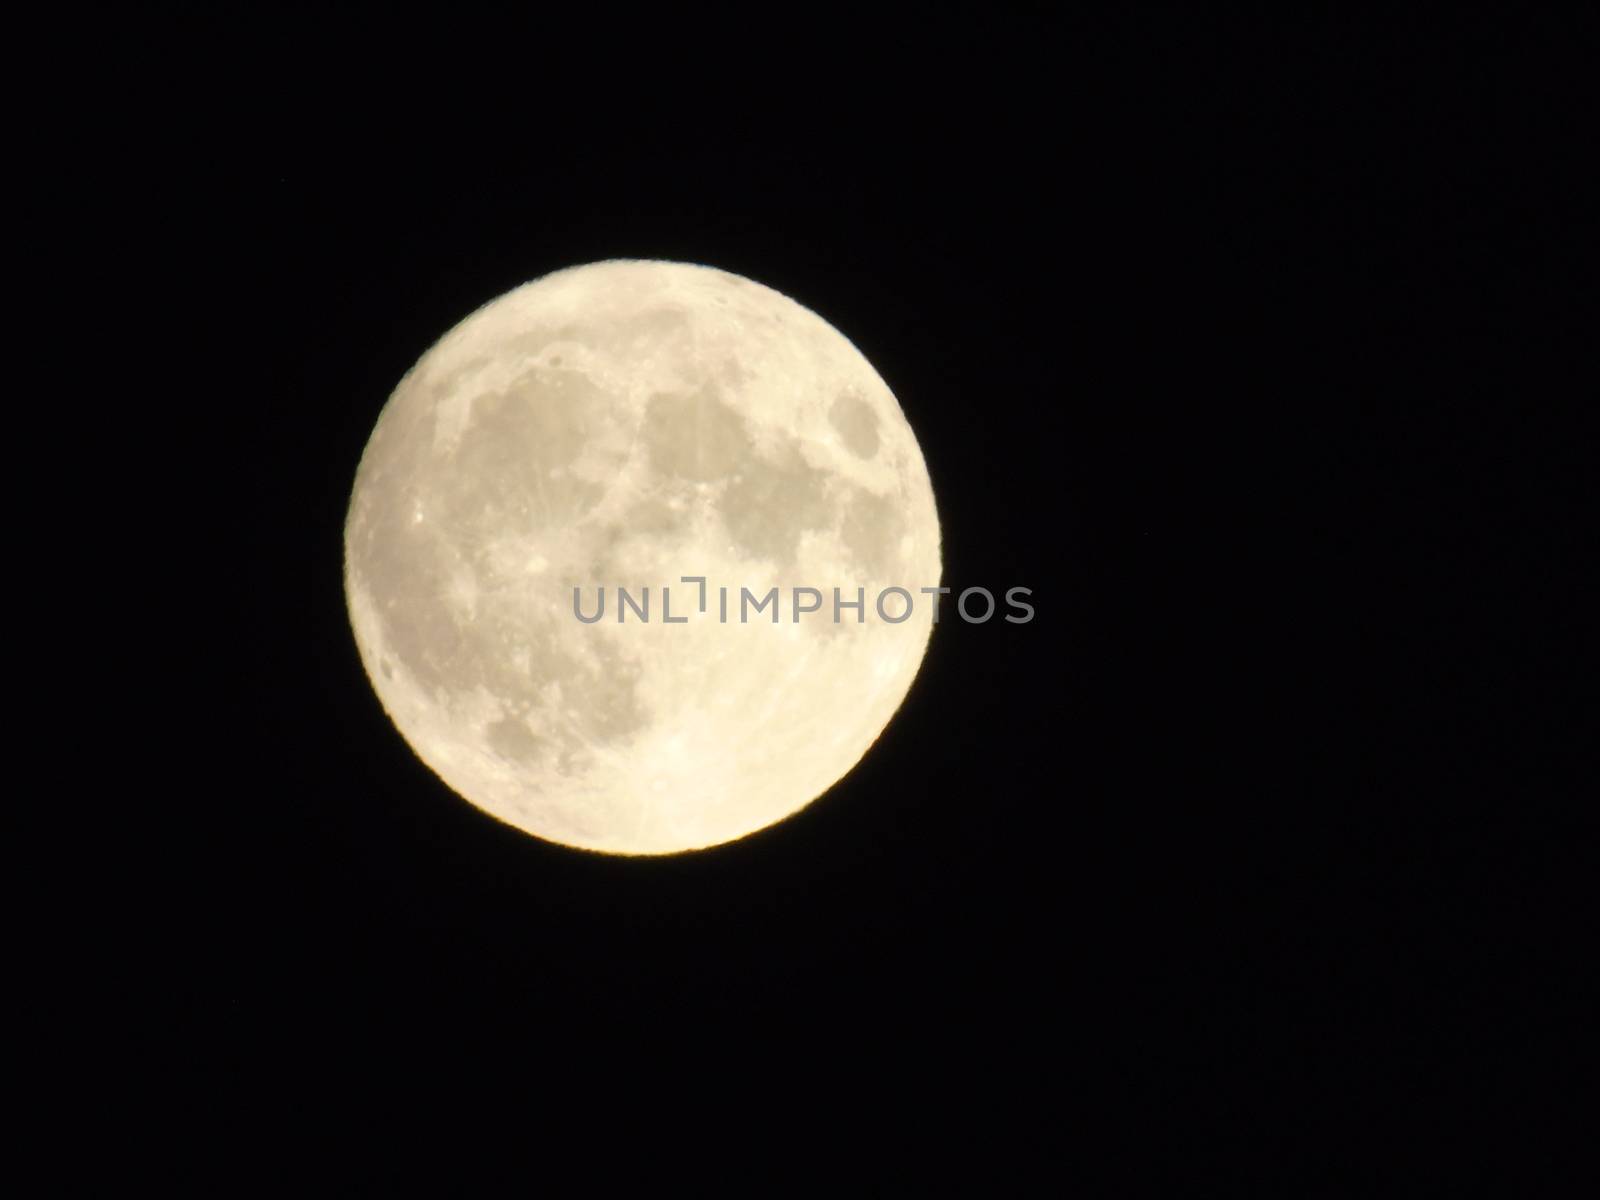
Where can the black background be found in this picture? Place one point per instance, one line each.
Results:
(1238, 345)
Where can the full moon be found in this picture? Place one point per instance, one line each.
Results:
(656, 439)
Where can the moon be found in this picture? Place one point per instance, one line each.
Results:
(625, 425)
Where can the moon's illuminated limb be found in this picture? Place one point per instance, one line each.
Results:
(628, 423)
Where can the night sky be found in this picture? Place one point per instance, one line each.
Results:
(1234, 345)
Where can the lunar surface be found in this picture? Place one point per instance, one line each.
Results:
(623, 425)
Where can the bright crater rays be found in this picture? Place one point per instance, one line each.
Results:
(622, 425)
